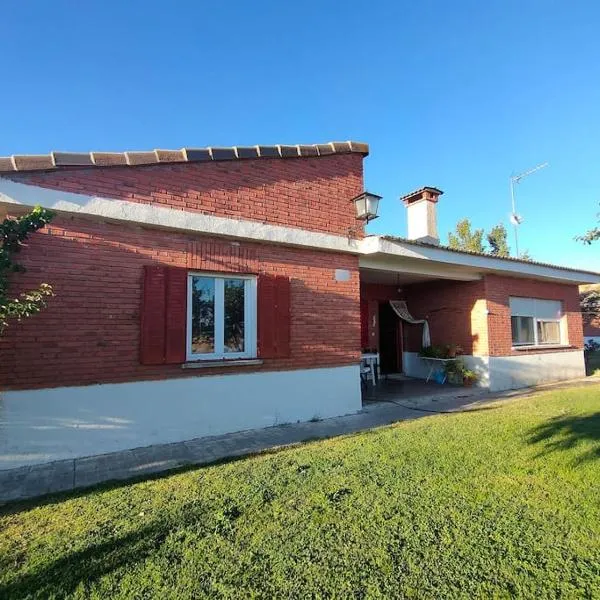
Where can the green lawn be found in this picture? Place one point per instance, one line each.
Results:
(500, 503)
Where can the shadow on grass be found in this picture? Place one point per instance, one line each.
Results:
(61, 577)
(566, 432)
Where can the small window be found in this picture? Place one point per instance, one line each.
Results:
(535, 322)
(221, 317)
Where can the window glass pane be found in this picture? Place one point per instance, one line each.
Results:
(548, 332)
(522, 330)
(203, 315)
(234, 315)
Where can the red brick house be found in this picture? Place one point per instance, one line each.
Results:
(210, 290)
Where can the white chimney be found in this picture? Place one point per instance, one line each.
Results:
(422, 215)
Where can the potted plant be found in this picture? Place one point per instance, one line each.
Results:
(454, 370)
(453, 350)
(469, 377)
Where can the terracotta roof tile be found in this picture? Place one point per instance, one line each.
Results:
(65, 160)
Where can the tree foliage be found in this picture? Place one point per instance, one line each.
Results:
(497, 240)
(465, 239)
(592, 235)
(590, 304)
(13, 233)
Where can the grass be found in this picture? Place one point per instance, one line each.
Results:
(497, 503)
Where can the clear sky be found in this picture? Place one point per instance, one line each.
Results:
(458, 95)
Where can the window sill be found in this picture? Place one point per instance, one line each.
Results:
(208, 364)
(542, 347)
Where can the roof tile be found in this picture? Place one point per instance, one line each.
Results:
(268, 151)
(223, 153)
(65, 160)
(33, 162)
(141, 158)
(288, 151)
(325, 149)
(109, 159)
(6, 164)
(197, 154)
(247, 151)
(170, 155)
(72, 159)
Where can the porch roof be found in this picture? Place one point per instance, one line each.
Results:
(390, 253)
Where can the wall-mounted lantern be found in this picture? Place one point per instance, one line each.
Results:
(366, 205)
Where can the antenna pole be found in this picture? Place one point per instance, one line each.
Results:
(515, 224)
(516, 220)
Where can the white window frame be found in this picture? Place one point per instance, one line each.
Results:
(250, 321)
(536, 320)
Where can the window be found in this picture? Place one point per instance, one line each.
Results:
(535, 322)
(221, 320)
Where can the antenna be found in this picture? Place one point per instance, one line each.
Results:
(515, 218)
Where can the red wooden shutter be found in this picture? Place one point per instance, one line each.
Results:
(164, 315)
(153, 316)
(274, 316)
(176, 317)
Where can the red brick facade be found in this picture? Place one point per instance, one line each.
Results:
(474, 315)
(498, 291)
(308, 193)
(90, 331)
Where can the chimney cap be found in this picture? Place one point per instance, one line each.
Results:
(424, 193)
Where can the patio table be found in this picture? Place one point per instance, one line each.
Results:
(435, 363)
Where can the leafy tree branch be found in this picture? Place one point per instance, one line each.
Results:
(13, 233)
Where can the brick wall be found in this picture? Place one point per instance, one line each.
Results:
(455, 311)
(498, 291)
(90, 332)
(307, 193)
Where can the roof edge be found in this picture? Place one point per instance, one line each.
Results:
(506, 259)
(53, 161)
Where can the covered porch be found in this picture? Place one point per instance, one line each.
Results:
(450, 299)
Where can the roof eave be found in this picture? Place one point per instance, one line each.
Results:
(397, 247)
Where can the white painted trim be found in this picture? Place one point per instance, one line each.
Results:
(12, 193)
(486, 264)
(28, 195)
(250, 317)
(39, 426)
(380, 262)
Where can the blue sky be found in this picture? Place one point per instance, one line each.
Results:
(458, 95)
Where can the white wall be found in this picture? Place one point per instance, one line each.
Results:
(415, 366)
(39, 426)
(512, 372)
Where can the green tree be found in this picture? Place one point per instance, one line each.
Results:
(465, 239)
(525, 255)
(590, 303)
(591, 236)
(13, 233)
(497, 239)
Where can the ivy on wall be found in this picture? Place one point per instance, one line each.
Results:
(13, 233)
